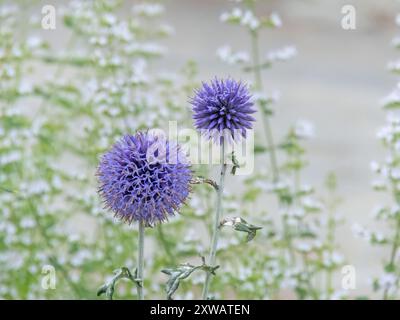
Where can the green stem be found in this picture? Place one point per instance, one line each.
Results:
(266, 122)
(268, 133)
(140, 262)
(214, 241)
(393, 254)
(312, 293)
(396, 240)
(330, 240)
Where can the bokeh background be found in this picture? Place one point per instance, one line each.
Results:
(336, 81)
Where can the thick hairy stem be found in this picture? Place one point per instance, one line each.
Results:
(217, 220)
(140, 262)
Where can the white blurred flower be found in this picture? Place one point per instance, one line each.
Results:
(10, 157)
(25, 87)
(79, 258)
(226, 54)
(235, 14)
(303, 247)
(276, 20)
(27, 223)
(394, 66)
(36, 187)
(394, 96)
(8, 10)
(331, 259)
(304, 129)
(282, 54)
(375, 167)
(148, 9)
(56, 182)
(395, 173)
(388, 281)
(361, 232)
(33, 42)
(110, 18)
(262, 97)
(396, 41)
(312, 204)
(250, 20)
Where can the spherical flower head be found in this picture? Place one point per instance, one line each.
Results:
(222, 110)
(144, 177)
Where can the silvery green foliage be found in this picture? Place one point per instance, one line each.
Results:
(181, 272)
(30, 182)
(52, 214)
(108, 288)
(387, 284)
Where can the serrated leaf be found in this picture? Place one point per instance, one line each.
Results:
(201, 180)
(239, 224)
(181, 272)
(108, 288)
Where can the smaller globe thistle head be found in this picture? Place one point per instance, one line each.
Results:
(144, 177)
(222, 110)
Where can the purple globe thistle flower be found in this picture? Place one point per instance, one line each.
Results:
(144, 177)
(222, 109)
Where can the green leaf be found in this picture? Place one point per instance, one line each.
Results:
(235, 163)
(239, 224)
(182, 272)
(201, 180)
(259, 149)
(392, 105)
(108, 288)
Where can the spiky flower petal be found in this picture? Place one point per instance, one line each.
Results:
(222, 109)
(144, 178)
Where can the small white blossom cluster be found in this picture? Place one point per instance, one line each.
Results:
(226, 55)
(304, 129)
(302, 213)
(148, 9)
(392, 99)
(248, 19)
(282, 54)
(51, 212)
(388, 172)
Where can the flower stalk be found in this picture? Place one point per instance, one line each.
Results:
(216, 225)
(140, 262)
(266, 123)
